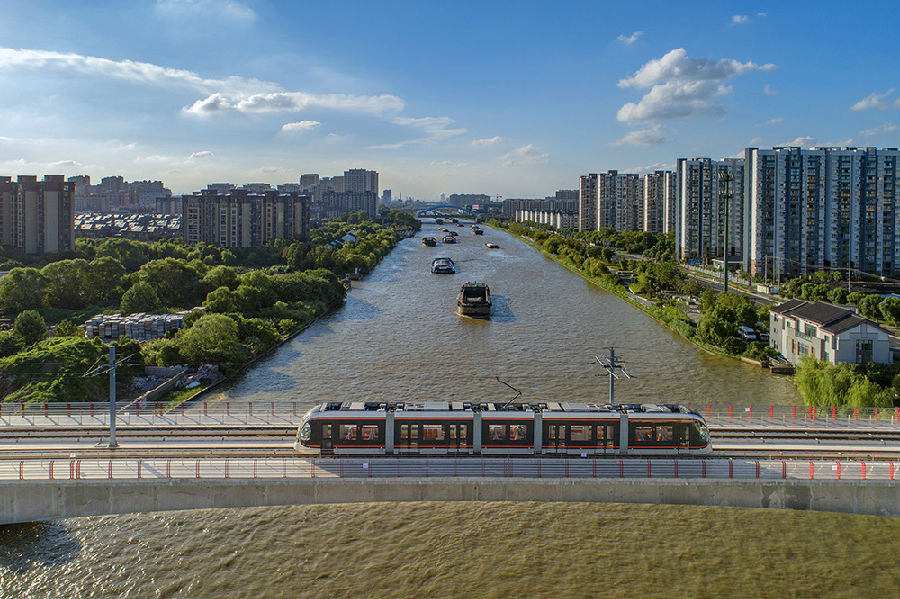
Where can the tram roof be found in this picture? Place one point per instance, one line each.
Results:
(488, 406)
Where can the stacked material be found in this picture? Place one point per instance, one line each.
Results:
(140, 326)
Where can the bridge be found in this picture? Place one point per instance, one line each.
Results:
(240, 455)
(451, 211)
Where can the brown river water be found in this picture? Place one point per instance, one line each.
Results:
(399, 337)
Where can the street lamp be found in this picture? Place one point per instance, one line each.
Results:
(726, 196)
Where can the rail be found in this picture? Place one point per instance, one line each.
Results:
(524, 468)
(290, 412)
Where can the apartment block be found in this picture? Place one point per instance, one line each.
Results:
(559, 214)
(332, 204)
(822, 208)
(359, 180)
(243, 219)
(705, 188)
(588, 194)
(659, 207)
(37, 217)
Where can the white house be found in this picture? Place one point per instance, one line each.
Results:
(799, 328)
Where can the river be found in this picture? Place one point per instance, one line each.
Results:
(399, 337)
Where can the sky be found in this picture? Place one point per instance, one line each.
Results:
(511, 99)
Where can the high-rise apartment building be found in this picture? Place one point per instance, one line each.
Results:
(659, 189)
(587, 202)
(243, 219)
(703, 185)
(37, 217)
(467, 199)
(822, 208)
(620, 203)
(360, 180)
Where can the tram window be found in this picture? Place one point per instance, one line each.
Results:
(404, 432)
(326, 432)
(518, 432)
(643, 434)
(579, 432)
(433, 432)
(551, 432)
(664, 435)
(451, 429)
(497, 432)
(369, 432)
(348, 432)
(606, 435)
(463, 433)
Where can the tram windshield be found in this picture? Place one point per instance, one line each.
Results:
(305, 429)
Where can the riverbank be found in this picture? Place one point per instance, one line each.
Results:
(635, 300)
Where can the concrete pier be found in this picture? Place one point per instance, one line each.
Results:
(26, 501)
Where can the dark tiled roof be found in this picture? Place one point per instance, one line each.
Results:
(829, 318)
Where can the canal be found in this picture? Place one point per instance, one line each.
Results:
(399, 337)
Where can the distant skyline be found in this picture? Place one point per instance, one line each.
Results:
(511, 99)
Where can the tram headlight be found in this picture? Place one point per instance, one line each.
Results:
(305, 429)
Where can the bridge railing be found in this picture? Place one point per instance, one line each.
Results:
(290, 412)
(398, 468)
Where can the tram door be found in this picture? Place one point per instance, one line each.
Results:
(327, 439)
(556, 436)
(457, 437)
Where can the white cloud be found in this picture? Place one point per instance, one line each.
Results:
(301, 126)
(876, 101)
(630, 39)
(129, 70)
(524, 156)
(293, 102)
(769, 122)
(488, 141)
(201, 155)
(228, 10)
(65, 164)
(681, 86)
(434, 127)
(760, 14)
(767, 90)
(740, 19)
(676, 65)
(448, 164)
(883, 128)
(644, 137)
(649, 168)
(804, 141)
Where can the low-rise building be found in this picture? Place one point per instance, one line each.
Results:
(799, 328)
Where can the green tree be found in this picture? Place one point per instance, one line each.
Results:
(221, 300)
(890, 310)
(66, 328)
(141, 297)
(103, 281)
(869, 306)
(838, 295)
(220, 276)
(22, 289)
(29, 327)
(65, 286)
(9, 344)
(176, 283)
(213, 339)
(707, 301)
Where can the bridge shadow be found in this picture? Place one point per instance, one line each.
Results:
(24, 546)
(501, 311)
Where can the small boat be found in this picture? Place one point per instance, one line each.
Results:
(474, 300)
(452, 233)
(449, 239)
(459, 224)
(492, 245)
(444, 230)
(438, 221)
(443, 266)
(477, 230)
(429, 242)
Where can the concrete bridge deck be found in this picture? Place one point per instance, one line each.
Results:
(47, 489)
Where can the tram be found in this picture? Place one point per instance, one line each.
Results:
(500, 429)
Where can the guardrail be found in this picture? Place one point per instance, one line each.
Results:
(291, 411)
(531, 468)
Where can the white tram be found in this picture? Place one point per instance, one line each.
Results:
(497, 428)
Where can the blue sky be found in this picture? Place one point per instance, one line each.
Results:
(507, 98)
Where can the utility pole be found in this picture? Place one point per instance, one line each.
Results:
(112, 396)
(611, 367)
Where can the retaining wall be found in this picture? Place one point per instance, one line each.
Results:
(26, 501)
